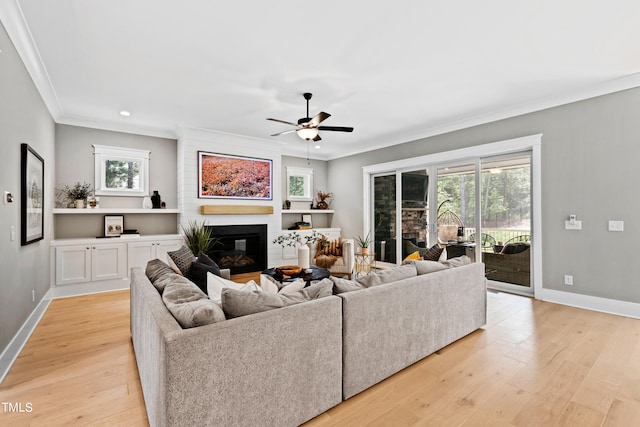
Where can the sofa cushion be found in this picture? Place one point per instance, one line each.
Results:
(457, 261)
(425, 267)
(341, 285)
(199, 269)
(387, 276)
(182, 258)
(515, 248)
(188, 304)
(215, 285)
(156, 269)
(236, 303)
(433, 253)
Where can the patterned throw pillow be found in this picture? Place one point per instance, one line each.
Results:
(433, 253)
(183, 258)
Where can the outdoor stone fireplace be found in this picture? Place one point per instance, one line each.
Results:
(241, 248)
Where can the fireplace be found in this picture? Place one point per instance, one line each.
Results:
(242, 248)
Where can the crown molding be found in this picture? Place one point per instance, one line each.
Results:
(134, 128)
(14, 23)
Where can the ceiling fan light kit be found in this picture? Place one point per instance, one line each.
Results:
(308, 128)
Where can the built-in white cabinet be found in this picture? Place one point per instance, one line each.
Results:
(97, 265)
(90, 262)
(139, 253)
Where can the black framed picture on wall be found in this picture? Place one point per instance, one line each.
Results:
(32, 200)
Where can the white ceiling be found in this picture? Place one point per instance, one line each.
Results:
(396, 71)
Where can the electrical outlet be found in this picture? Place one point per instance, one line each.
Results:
(616, 225)
(568, 280)
(33, 295)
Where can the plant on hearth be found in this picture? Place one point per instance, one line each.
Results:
(198, 237)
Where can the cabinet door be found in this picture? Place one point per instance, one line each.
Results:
(73, 264)
(164, 246)
(108, 261)
(139, 253)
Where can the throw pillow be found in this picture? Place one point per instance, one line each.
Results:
(271, 285)
(188, 304)
(387, 276)
(183, 258)
(215, 285)
(205, 259)
(414, 256)
(457, 261)
(425, 267)
(156, 269)
(236, 303)
(198, 274)
(433, 253)
(341, 285)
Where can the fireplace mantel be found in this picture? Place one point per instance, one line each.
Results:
(235, 210)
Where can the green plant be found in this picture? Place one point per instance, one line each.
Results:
(199, 238)
(363, 242)
(294, 239)
(78, 191)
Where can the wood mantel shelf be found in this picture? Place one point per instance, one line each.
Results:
(235, 210)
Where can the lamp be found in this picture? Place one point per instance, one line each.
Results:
(307, 133)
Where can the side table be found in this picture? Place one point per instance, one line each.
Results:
(364, 263)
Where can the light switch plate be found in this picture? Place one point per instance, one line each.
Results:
(577, 225)
(616, 225)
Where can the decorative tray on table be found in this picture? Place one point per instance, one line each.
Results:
(288, 270)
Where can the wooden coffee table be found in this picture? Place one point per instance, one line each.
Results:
(317, 273)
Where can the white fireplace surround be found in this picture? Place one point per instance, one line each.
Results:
(190, 142)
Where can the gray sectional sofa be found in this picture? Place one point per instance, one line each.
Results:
(285, 366)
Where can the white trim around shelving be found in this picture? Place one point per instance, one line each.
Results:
(98, 211)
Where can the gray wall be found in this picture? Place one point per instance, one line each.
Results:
(590, 152)
(23, 118)
(75, 162)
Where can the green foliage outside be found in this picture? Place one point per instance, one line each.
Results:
(296, 186)
(121, 174)
(505, 195)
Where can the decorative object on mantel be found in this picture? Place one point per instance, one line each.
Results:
(147, 203)
(78, 193)
(235, 210)
(322, 199)
(156, 200)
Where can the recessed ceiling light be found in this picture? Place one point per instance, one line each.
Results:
(125, 113)
(317, 146)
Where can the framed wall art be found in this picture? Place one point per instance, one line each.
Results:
(224, 176)
(32, 201)
(299, 184)
(113, 225)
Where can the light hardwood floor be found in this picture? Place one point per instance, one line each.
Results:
(534, 364)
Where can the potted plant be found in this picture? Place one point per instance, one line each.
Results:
(199, 238)
(363, 242)
(78, 193)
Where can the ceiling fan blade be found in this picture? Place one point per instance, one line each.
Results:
(320, 117)
(284, 132)
(336, 128)
(317, 138)
(282, 121)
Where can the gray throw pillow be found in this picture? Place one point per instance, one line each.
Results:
(188, 304)
(387, 276)
(341, 285)
(425, 267)
(156, 269)
(237, 303)
(183, 258)
(457, 261)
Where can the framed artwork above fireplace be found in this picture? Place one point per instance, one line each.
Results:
(225, 176)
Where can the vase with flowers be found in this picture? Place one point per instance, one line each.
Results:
(301, 242)
(78, 193)
(322, 199)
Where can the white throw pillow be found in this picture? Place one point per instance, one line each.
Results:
(215, 285)
(293, 287)
(268, 284)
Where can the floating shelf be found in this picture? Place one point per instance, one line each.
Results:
(308, 211)
(98, 211)
(235, 210)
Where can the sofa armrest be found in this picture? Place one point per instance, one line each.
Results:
(225, 273)
(348, 251)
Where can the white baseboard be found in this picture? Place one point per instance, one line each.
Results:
(605, 305)
(87, 288)
(14, 348)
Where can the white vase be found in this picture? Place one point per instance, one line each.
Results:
(78, 203)
(147, 203)
(303, 256)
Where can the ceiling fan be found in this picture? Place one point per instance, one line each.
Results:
(307, 128)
